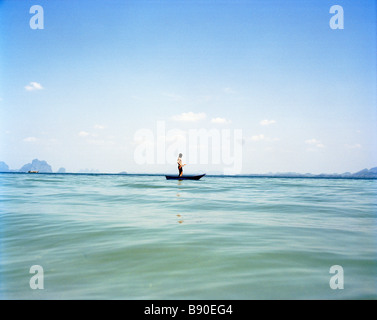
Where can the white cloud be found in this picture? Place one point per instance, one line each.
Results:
(220, 120)
(267, 122)
(258, 137)
(315, 142)
(99, 126)
(30, 139)
(83, 134)
(33, 86)
(189, 116)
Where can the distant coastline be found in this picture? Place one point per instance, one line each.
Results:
(282, 176)
(42, 167)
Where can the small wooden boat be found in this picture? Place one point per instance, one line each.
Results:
(185, 177)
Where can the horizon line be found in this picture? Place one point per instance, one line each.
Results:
(246, 175)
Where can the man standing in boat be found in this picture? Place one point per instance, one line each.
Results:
(180, 165)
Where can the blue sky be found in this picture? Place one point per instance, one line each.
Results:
(75, 93)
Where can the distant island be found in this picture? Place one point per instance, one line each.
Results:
(36, 166)
(365, 174)
(4, 167)
(61, 170)
(42, 166)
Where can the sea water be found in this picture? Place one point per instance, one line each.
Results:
(143, 237)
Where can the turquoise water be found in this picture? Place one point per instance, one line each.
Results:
(142, 237)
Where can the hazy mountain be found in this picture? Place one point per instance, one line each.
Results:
(373, 170)
(365, 173)
(3, 167)
(371, 173)
(61, 170)
(37, 165)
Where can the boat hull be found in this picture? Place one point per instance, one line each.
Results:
(184, 177)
